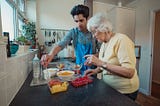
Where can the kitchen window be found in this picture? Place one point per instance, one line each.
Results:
(12, 15)
(7, 17)
(21, 5)
(20, 23)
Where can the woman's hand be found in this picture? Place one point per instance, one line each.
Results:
(91, 59)
(46, 59)
(90, 72)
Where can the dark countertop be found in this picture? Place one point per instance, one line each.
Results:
(97, 93)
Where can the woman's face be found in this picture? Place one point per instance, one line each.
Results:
(100, 36)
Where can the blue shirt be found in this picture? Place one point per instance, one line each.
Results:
(83, 44)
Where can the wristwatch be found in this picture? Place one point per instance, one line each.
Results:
(104, 65)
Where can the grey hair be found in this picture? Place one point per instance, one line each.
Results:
(100, 22)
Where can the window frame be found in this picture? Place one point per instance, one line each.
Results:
(17, 14)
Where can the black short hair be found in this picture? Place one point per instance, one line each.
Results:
(80, 9)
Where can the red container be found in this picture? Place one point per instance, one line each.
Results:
(81, 81)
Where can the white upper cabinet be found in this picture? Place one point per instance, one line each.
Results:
(123, 20)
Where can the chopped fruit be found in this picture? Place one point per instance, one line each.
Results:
(54, 82)
(57, 86)
(61, 65)
(81, 81)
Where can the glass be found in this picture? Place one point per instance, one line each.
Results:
(64, 65)
(76, 68)
(60, 66)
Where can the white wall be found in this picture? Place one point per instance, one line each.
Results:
(101, 7)
(31, 10)
(143, 37)
(0, 22)
(55, 14)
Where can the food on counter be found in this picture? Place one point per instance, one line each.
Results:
(61, 65)
(56, 86)
(81, 81)
(77, 66)
(54, 82)
(65, 75)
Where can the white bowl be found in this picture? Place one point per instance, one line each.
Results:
(48, 73)
(66, 75)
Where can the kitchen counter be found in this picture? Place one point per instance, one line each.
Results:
(95, 94)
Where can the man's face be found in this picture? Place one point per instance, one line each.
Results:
(81, 22)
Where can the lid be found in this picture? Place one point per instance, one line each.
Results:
(35, 58)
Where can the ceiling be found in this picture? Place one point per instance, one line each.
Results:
(115, 2)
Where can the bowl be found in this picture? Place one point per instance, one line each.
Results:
(14, 48)
(64, 66)
(66, 75)
(48, 73)
(60, 66)
(77, 67)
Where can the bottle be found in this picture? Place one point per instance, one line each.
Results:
(36, 67)
(6, 34)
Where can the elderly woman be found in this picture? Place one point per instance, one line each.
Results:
(116, 60)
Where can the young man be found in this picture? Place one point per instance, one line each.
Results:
(83, 41)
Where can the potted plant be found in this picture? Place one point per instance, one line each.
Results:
(22, 40)
(24, 44)
(29, 32)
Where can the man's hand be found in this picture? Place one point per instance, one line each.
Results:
(46, 59)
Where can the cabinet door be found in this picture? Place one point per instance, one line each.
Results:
(156, 58)
(123, 20)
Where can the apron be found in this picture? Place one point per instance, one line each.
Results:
(81, 51)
